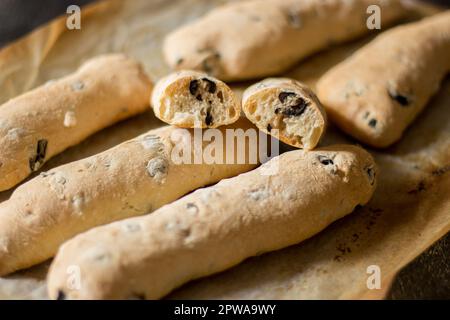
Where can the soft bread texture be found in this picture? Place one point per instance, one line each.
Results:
(376, 94)
(287, 107)
(206, 232)
(49, 119)
(257, 38)
(192, 99)
(133, 178)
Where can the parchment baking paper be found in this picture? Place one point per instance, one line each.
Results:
(409, 211)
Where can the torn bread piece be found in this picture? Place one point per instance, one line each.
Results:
(287, 109)
(206, 231)
(191, 99)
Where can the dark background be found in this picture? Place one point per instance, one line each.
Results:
(427, 277)
(17, 17)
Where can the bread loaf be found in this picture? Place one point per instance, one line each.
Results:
(376, 94)
(133, 178)
(47, 120)
(215, 228)
(257, 38)
(192, 99)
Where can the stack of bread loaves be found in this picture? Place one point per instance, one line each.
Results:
(126, 219)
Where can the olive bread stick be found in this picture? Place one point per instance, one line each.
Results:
(206, 232)
(287, 106)
(375, 94)
(257, 38)
(47, 120)
(191, 99)
(133, 178)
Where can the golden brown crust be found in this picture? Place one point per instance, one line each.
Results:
(376, 93)
(258, 38)
(47, 120)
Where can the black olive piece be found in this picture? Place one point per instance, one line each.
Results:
(220, 96)
(293, 19)
(199, 97)
(441, 171)
(41, 150)
(210, 85)
(325, 160)
(206, 67)
(193, 87)
(208, 62)
(371, 175)
(269, 127)
(296, 110)
(277, 110)
(61, 295)
(191, 205)
(373, 123)
(284, 95)
(400, 99)
(208, 118)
